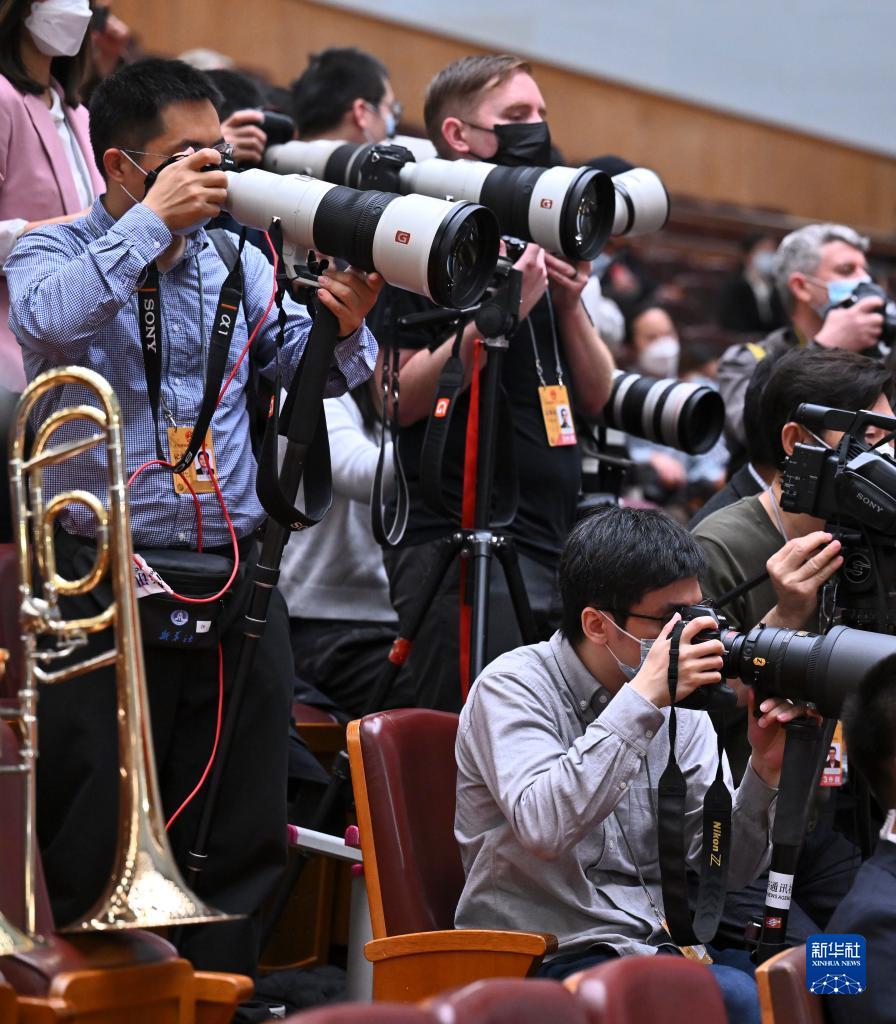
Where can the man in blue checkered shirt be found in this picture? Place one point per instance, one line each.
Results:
(73, 290)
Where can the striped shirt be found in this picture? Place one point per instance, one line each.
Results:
(73, 300)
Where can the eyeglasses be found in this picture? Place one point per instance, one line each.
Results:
(624, 613)
(224, 148)
(395, 108)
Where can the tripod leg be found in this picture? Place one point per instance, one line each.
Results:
(401, 648)
(805, 741)
(510, 562)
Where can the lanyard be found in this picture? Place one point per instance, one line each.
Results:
(149, 318)
(539, 369)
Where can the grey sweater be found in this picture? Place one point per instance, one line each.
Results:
(335, 569)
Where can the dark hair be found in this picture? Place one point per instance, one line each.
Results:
(69, 72)
(238, 91)
(834, 377)
(126, 108)
(755, 435)
(638, 311)
(869, 728)
(615, 555)
(456, 88)
(331, 83)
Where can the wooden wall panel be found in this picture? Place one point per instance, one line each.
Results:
(699, 151)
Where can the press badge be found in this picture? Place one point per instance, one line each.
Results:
(834, 773)
(557, 415)
(197, 473)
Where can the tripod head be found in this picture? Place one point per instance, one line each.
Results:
(496, 316)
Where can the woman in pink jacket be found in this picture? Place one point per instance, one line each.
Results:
(47, 171)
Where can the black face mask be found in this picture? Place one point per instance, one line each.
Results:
(523, 145)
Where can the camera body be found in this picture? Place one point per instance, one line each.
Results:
(853, 489)
(887, 307)
(717, 696)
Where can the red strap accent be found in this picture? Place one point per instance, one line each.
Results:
(468, 512)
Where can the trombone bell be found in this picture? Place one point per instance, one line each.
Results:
(146, 889)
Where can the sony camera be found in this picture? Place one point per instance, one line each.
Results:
(821, 670)
(853, 489)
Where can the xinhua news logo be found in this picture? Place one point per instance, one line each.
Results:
(835, 965)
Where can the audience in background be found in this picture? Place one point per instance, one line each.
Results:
(345, 94)
(749, 301)
(47, 169)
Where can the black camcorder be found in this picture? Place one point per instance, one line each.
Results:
(791, 663)
(853, 488)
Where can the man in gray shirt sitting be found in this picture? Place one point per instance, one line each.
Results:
(561, 745)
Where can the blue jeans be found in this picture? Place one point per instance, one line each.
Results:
(731, 967)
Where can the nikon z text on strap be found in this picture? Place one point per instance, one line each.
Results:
(671, 807)
(149, 317)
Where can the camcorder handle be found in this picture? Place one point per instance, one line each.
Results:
(671, 797)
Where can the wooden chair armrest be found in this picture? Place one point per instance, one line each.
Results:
(460, 940)
(217, 995)
(44, 1010)
(408, 968)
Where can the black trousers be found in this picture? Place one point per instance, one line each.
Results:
(434, 660)
(78, 788)
(344, 660)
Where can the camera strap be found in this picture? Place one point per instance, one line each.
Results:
(389, 534)
(716, 843)
(303, 422)
(435, 441)
(149, 319)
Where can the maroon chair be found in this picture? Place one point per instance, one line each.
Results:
(646, 989)
(404, 777)
(509, 1001)
(783, 996)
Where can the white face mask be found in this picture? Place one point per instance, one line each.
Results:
(660, 358)
(630, 671)
(58, 27)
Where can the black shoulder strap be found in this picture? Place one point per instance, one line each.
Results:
(671, 805)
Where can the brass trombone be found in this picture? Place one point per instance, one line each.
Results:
(145, 889)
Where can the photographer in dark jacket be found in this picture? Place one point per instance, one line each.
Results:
(490, 108)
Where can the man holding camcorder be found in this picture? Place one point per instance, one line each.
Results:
(490, 108)
(75, 290)
(800, 557)
(561, 746)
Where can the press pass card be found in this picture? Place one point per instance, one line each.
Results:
(834, 773)
(198, 471)
(557, 415)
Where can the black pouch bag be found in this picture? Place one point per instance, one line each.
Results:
(170, 623)
(166, 621)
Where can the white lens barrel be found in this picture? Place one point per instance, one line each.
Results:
(404, 240)
(446, 179)
(642, 202)
(546, 206)
(255, 197)
(298, 157)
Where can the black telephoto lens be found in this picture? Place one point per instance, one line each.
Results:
(821, 670)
